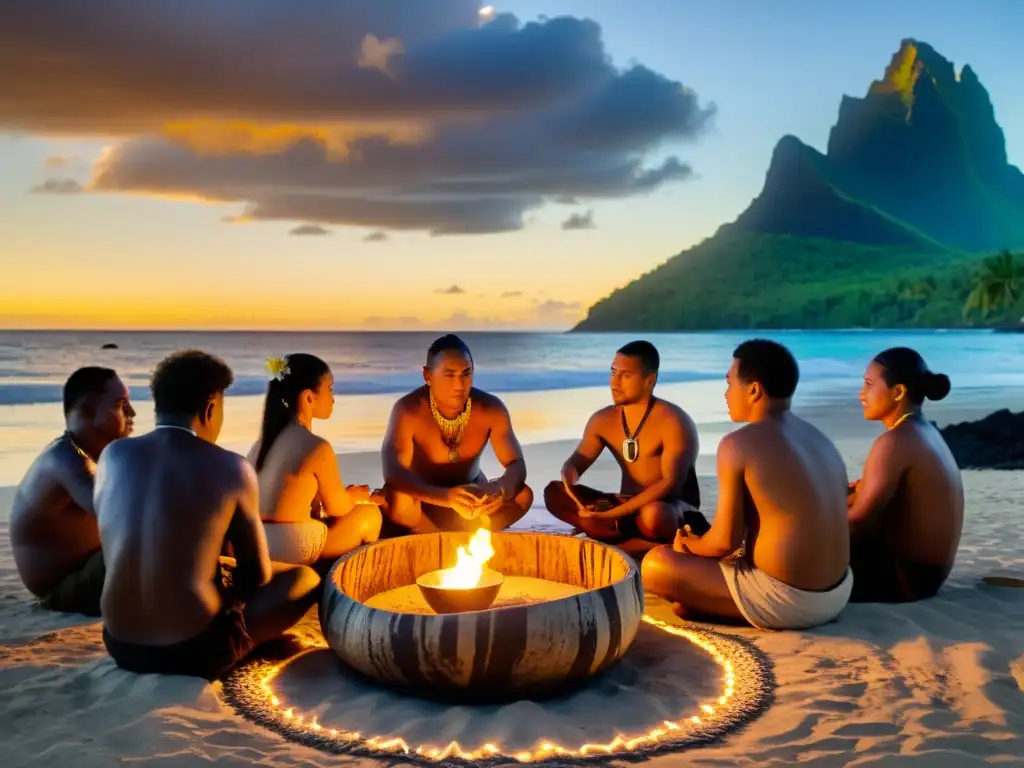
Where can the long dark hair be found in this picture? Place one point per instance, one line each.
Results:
(902, 365)
(303, 372)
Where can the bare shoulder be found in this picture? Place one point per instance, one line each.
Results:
(236, 471)
(490, 405)
(891, 444)
(409, 405)
(485, 401)
(670, 413)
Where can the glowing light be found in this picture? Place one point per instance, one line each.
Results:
(478, 553)
(487, 12)
(469, 567)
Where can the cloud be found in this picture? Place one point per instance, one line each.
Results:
(544, 315)
(579, 221)
(388, 115)
(132, 67)
(511, 294)
(451, 290)
(309, 229)
(61, 186)
(55, 162)
(377, 236)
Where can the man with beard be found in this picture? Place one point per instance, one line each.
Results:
(431, 452)
(655, 444)
(53, 528)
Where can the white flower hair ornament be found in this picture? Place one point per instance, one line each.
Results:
(277, 367)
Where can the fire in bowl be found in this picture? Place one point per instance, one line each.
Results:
(444, 599)
(556, 611)
(467, 585)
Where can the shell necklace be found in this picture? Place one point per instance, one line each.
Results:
(452, 430)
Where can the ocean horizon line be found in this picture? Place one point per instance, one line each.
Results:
(485, 331)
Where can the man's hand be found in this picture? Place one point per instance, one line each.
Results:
(570, 476)
(604, 508)
(464, 501)
(490, 497)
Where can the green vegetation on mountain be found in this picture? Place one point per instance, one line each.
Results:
(891, 227)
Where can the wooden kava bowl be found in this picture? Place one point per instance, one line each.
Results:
(499, 654)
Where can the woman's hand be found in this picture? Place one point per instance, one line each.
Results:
(358, 493)
(683, 537)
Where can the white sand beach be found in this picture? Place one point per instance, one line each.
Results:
(939, 683)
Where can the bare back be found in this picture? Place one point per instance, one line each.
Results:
(661, 432)
(796, 509)
(52, 525)
(287, 480)
(166, 502)
(924, 518)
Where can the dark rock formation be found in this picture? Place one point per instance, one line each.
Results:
(994, 442)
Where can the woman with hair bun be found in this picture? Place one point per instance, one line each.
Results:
(906, 512)
(309, 515)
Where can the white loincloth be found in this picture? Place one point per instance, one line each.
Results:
(296, 543)
(768, 603)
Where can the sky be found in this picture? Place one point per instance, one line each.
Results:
(385, 164)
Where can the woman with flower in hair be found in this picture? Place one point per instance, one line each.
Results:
(309, 515)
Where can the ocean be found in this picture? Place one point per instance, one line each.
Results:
(550, 381)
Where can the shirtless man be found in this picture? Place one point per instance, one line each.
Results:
(658, 492)
(167, 502)
(53, 527)
(431, 452)
(907, 511)
(781, 498)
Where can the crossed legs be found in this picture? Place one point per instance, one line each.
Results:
(408, 515)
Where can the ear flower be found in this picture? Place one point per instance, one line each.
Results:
(277, 367)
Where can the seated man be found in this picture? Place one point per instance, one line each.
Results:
(431, 452)
(53, 527)
(907, 511)
(167, 502)
(781, 489)
(658, 491)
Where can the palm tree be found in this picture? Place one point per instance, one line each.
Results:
(997, 286)
(913, 296)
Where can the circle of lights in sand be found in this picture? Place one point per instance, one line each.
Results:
(745, 688)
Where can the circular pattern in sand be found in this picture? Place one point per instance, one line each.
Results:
(677, 687)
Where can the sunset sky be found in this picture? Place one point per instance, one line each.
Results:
(391, 164)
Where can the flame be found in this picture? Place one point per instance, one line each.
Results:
(469, 567)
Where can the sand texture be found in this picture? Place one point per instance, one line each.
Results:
(938, 683)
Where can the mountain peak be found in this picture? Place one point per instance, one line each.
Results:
(913, 60)
(919, 158)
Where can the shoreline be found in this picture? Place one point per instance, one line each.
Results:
(539, 417)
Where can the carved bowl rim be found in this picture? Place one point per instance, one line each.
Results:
(332, 584)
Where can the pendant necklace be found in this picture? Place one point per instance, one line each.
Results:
(451, 429)
(631, 445)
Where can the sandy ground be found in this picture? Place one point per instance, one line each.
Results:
(939, 683)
